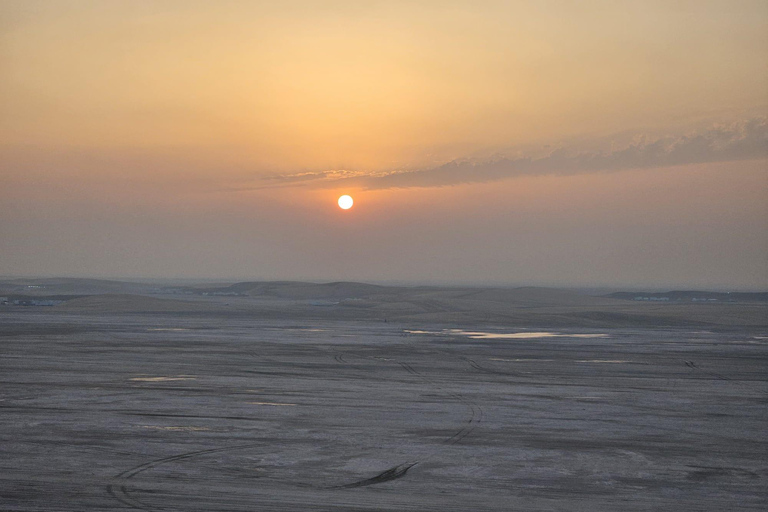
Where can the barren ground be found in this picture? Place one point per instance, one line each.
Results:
(209, 412)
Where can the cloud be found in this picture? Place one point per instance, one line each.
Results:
(744, 140)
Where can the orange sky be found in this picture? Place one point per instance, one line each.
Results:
(195, 139)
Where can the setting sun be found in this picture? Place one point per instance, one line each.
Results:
(345, 202)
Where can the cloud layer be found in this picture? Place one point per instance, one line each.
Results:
(744, 140)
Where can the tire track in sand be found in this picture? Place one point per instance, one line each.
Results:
(476, 417)
(119, 489)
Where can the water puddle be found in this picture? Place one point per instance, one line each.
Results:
(481, 335)
(529, 360)
(271, 403)
(609, 361)
(176, 429)
(519, 360)
(163, 379)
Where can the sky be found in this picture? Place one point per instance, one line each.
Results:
(597, 143)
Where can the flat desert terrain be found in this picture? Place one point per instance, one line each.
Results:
(293, 397)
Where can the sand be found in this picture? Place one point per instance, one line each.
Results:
(271, 403)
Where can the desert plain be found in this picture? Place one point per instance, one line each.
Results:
(345, 396)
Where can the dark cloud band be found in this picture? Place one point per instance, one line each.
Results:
(745, 140)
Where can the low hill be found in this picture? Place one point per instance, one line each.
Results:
(692, 296)
(107, 303)
(300, 290)
(525, 306)
(72, 286)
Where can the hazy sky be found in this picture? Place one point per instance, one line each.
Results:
(548, 142)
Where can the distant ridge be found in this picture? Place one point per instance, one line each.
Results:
(340, 289)
(299, 290)
(693, 296)
(418, 305)
(72, 286)
(109, 303)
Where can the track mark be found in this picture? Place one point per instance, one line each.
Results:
(410, 369)
(120, 491)
(476, 412)
(474, 364)
(472, 423)
(385, 476)
(476, 416)
(692, 365)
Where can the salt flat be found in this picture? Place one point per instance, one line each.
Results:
(208, 412)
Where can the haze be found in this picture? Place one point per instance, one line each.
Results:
(598, 144)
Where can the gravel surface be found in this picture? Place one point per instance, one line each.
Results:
(203, 413)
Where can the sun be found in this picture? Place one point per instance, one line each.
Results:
(345, 202)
